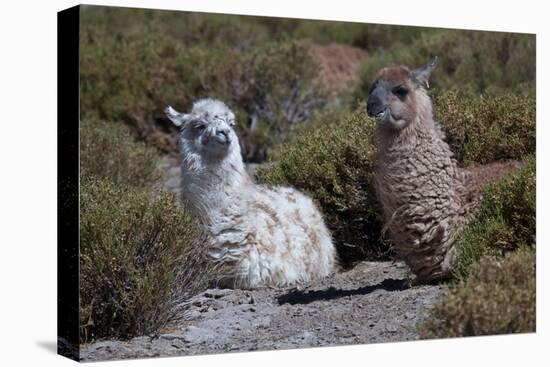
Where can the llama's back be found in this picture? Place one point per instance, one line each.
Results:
(286, 241)
(260, 236)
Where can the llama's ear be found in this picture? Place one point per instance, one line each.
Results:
(422, 74)
(177, 118)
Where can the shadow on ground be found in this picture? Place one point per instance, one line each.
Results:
(300, 297)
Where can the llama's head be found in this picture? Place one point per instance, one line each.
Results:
(208, 129)
(398, 96)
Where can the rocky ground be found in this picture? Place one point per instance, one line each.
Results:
(371, 303)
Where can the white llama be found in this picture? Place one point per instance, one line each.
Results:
(261, 236)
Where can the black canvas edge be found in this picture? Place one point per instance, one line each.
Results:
(68, 29)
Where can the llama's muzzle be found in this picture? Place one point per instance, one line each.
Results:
(375, 106)
(222, 136)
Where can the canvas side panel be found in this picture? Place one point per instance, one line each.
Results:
(68, 182)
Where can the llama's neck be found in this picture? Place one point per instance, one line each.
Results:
(421, 130)
(209, 185)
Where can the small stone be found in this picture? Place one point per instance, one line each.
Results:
(265, 322)
(217, 293)
(177, 345)
(172, 337)
(391, 328)
(192, 315)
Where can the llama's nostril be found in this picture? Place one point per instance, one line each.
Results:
(222, 136)
(375, 110)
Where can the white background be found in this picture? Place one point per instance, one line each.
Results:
(28, 181)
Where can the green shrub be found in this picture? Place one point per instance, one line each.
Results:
(187, 28)
(132, 76)
(489, 127)
(469, 60)
(498, 297)
(274, 88)
(371, 37)
(505, 221)
(109, 150)
(242, 32)
(332, 160)
(131, 79)
(134, 249)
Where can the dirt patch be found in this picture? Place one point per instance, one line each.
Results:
(483, 174)
(339, 64)
(371, 303)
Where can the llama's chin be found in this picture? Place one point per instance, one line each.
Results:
(220, 141)
(215, 149)
(387, 120)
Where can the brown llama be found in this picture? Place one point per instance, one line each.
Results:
(422, 191)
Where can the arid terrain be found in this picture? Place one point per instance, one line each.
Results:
(369, 304)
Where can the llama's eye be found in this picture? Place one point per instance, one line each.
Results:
(200, 127)
(373, 86)
(400, 92)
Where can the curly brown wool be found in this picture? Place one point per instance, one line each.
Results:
(421, 189)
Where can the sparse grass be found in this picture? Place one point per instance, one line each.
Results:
(332, 160)
(367, 36)
(271, 86)
(505, 221)
(189, 29)
(469, 60)
(134, 245)
(244, 32)
(109, 150)
(486, 128)
(131, 78)
(498, 297)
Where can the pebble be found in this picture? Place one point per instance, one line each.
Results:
(391, 328)
(192, 315)
(217, 293)
(172, 337)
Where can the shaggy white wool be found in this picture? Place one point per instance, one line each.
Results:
(261, 236)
